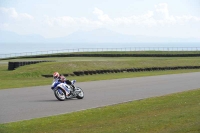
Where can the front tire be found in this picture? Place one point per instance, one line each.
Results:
(60, 94)
(80, 93)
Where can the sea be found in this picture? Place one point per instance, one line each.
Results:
(38, 48)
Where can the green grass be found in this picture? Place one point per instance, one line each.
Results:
(30, 75)
(175, 113)
(27, 82)
(69, 65)
(179, 113)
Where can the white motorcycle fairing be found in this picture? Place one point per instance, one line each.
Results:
(62, 94)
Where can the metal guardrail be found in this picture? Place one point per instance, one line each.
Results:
(12, 55)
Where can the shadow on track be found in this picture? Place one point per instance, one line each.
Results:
(46, 100)
(55, 100)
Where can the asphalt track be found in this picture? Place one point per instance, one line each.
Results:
(34, 102)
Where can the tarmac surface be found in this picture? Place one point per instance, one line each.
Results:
(35, 102)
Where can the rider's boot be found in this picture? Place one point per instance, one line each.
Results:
(73, 88)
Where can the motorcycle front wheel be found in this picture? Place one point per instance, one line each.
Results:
(80, 93)
(60, 94)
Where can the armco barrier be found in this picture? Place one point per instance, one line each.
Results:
(112, 55)
(13, 65)
(127, 55)
(91, 72)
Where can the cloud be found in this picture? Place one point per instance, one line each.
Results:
(50, 26)
(101, 16)
(158, 17)
(162, 10)
(145, 19)
(13, 14)
(162, 16)
(64, 21)
(68, 21)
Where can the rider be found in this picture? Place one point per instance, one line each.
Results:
(68, 82)
(59, 79)
(56, 76)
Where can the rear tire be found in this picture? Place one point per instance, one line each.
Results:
(60, 94)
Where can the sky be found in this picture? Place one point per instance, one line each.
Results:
(59, 18)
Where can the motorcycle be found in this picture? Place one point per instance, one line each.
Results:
(75, 92)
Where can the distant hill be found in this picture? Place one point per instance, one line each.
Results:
(95, 36)
(107, 36)
(12, 37)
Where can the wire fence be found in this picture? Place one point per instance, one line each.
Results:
(12, 55)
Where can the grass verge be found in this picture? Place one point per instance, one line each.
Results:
(28, 82)
(30, 75)
(175, 113)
